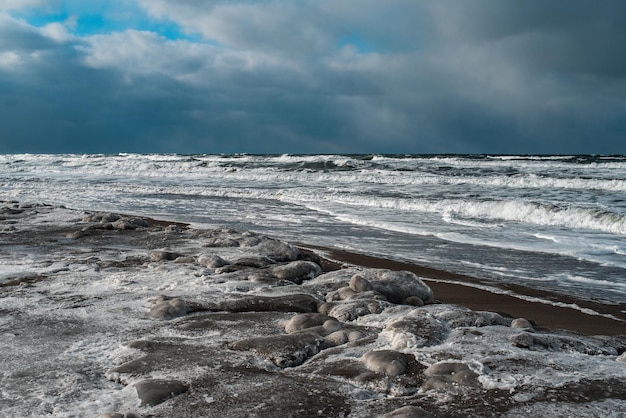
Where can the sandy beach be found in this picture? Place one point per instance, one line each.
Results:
(112, 315)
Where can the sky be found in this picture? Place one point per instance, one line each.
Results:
(313, 76)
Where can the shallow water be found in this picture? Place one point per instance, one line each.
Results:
(553, 222)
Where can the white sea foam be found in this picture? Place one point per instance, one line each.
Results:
(563, 205)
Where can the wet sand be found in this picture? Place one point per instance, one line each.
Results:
(459, 290)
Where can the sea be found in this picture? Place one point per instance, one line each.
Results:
(554, 223)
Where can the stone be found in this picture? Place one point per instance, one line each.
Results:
(166, 308)
(284, 350)
(296, 271)
(416, 330)
(458, 317)
(155, 391)
(310, 320)
(445, 374)
(522, 323)
(388, 362)
(408, 411)
(350, 310)
(212, 261)
(277, 250)
(397, 286)
(359, 284)
(287, 303)
(163, 255)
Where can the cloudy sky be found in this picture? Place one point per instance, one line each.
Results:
(313, 76)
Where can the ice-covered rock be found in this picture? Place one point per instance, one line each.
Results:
(298, 302)
(169, 308)
(449, 373)
(352, 309)
(408, 411)
(415, 330)
(277, 250)
(288, 350)
(312, 320)
(155, 391)
(388, 362)
(212, 261)
(458, 316)
(522, 323)
(296, 271)
(164, 255)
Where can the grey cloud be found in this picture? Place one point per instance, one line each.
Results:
(459, 81)
(577, 36)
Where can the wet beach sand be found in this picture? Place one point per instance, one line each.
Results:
(113, 315)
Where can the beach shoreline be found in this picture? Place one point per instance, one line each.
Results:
(546, 310)
(125, 313)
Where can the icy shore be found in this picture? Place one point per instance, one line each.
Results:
(103, 314)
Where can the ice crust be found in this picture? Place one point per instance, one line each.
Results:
(102, 313)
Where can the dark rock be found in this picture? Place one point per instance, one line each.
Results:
(277, 250)
(287, 303)
(312, 320)
(155, 391)
(296, 271)
(212, 261)
(408, 411)
(446, 374)
(284, 350)
(388, 362)
(166, 308)
(162, 255)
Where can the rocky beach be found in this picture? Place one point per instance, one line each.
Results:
(103, 314)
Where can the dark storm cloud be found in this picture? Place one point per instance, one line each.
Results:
(323, 76)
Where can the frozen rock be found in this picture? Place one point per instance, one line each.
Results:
(413, 301)
(163, 255)
(397, 286)
(284, 350)
(100, 217)
(522, 323)
(222, 242)
(359, 284)
(121, 223)
(457, 316)
(287, 303)
(554, 342)
(173, 229)
(388, 362)
(212, 261)
(296, 271)
(277, 250)
(166, 308)
(408, 411)
(118, 415)
(445, 374)
(352, 309)
(418, 329)
(312, 320)
(155, 391)
(622, 357)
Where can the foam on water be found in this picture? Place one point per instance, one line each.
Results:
(563, 205)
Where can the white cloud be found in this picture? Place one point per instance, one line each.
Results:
(21, 4)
